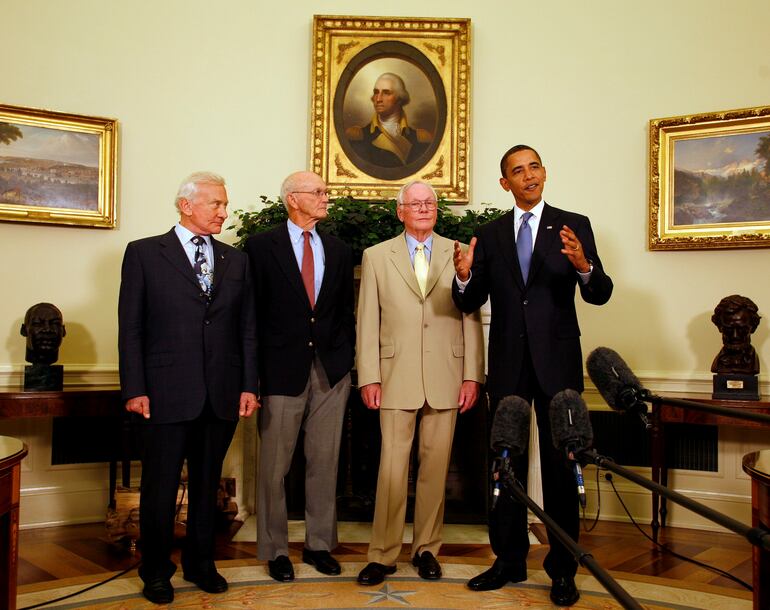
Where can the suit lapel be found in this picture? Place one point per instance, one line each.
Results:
(283, 253)
(439, 258)
(173, 251)
(547, 234)
(399, 258)
(506, 238)
(221, 262)
(332, 261)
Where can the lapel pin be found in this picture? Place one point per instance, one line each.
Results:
(549, 227)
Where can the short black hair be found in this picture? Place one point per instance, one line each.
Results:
(513, 150)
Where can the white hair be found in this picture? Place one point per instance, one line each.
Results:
(399, 88)
(408, 185)
(189, 187)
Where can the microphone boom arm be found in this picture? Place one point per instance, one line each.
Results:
(755, 535)
(583, 557)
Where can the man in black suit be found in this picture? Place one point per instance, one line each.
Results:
(306, 332)
(528, 262)
(188, 369)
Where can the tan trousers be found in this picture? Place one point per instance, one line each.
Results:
(435, 446)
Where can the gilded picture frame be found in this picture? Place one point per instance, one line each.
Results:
(710, 180)
(367, 148)
(57, 168)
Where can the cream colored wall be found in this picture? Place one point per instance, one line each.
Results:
(226, 87)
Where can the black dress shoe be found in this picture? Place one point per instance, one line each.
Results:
(158, 590)
(321, 561)
(210, 582)
(280, 569)
(427, 566)
(374, 574)
(499, 575)
(563, 591)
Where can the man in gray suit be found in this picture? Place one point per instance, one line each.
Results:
(306, 333)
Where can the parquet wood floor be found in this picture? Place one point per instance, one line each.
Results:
(78, 550)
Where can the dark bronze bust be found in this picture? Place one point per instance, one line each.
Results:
(736, 318)
(43, 327)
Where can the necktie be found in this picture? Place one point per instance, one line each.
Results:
(201, 265)
(308, 269)
(524, 245)
(421, 267)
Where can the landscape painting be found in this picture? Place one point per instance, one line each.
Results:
(710, 180)
(57, 168)
(722, 179)
(48, 167)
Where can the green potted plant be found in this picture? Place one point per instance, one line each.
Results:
(361, 224)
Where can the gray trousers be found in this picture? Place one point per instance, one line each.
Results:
(318, 411)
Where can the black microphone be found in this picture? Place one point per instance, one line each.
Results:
(619, 387)
(571, 430)
(509, 436)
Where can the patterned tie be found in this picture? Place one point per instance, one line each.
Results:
(201, 265)
(524, 245)
(421, 267)
(308, 269)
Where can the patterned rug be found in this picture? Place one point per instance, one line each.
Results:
(251, 587)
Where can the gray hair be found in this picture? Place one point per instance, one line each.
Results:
(408, 185)
(399, 87)
(189, 187)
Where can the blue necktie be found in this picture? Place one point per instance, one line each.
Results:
(524, 245)
(201, 266)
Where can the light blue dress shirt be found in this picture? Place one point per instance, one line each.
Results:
(298, 245)
(185, 235)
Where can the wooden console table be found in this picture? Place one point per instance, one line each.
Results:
(12, 451)
(663, 414)
(72, 401)
(757, 466)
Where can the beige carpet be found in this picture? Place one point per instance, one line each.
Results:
(252, 588)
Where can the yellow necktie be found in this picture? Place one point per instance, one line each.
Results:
(421, 267)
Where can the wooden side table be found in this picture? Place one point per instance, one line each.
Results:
(663, 414)
(12, 451)
(757, 466)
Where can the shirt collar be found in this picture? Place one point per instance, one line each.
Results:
(185, 235)
(411, 242)
(295, 232)
(537, 211)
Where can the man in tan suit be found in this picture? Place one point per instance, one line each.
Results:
(416, 353)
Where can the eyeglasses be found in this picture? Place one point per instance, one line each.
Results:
(429, 205)
(320, 193)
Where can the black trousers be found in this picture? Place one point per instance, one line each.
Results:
(508, 522)
(203, 442)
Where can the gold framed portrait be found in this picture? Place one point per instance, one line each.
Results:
(57, 168)
(390, 104)
(710, 180)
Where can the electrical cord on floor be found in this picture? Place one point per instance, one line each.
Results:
(114, 576)
(94, 586)
(598, 507)
(664, 547)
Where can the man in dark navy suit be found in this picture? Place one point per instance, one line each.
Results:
(528, 263)
(306, 333)
(188, 369)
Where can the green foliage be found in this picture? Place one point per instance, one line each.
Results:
(9, 133)
(361, 224)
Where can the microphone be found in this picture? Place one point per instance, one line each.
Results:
(509, 436)
(619, 387)
(571, 430)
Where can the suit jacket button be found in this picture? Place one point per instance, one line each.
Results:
(312, 320)
(525, 302)
(207, 322)
(310, 344)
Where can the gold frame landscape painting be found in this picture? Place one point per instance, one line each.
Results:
(710, 180)
(57, 168)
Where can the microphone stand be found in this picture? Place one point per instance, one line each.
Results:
(584, 558)
(755, 535)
